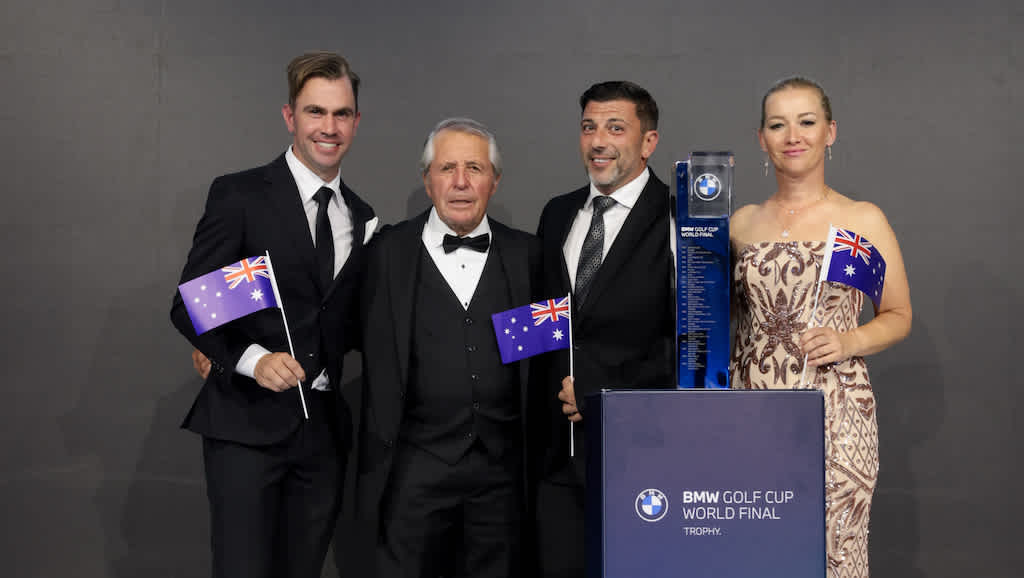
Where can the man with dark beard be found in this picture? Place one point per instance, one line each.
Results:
(608, 243)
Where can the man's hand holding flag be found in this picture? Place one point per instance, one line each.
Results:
(232, 292)
(538, 328)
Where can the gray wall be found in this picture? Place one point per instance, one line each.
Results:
(117, 115)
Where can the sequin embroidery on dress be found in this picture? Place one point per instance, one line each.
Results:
(774, 286)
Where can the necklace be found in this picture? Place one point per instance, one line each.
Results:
(794, 212)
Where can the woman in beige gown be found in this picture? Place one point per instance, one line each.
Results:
(778, 247)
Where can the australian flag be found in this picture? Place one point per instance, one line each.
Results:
(228, 293)
(531, 329)
(852, 260)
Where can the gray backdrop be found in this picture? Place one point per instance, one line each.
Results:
(117, 115)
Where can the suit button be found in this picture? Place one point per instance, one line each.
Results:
(476, 405)
(471, 348)
(310, 356)
(474, 377)
(469, 435)
(575, 347)
(387, 443)
(468, 321)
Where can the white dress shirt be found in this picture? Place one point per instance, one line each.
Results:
(462, 267)
(614, 217)
(339, 215)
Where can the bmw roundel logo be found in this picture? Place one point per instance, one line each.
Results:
(651, 505)
(707, 187)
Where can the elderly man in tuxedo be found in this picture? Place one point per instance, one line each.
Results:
(441, 451)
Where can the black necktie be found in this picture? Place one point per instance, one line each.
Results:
(593, 249)
(324, 238)
(478, 243)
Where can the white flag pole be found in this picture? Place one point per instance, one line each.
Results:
(287, 333)
(572, 375)
(826, 261)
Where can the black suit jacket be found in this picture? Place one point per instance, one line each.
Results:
(247, 214)
(623, 333)
(391, 274)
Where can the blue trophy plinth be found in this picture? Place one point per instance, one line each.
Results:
(701, 483)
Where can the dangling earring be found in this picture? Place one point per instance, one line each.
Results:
(766, 167)
(829, 147)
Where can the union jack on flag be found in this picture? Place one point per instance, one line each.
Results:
(856, 245)
(550, 310)
(851, 260)
(247, 270)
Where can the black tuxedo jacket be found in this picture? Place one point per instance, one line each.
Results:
(623, 333)
(391, 274)
(247, 214)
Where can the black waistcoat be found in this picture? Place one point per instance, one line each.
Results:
(459, 391)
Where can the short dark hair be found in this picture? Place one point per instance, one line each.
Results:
(327, 65)
(797, 82)
(646, 108)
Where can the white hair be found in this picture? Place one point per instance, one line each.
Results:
(466, 125)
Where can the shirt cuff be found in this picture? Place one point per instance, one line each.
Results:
(247, 363)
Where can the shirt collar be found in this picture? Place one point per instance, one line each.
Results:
(435, 229)
(626, 195)
(309, 182)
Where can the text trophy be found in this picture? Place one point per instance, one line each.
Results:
(703, 202)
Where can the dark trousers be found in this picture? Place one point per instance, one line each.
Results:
(444, 520)
(560, 524)
(273, 508)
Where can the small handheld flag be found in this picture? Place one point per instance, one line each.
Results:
(532, 329)
(228, 293)
(852, 260)
(233, 292)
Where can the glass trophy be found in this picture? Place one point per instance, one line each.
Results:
(702, 269)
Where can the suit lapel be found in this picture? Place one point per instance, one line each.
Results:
(291, 216)
(644, 215)
(513, 255)
(576, 201)
(403, 266)
(359, 213)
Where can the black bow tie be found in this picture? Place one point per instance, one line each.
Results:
(478, 243)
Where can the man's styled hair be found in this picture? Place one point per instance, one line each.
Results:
(319, 65)
(646, 108)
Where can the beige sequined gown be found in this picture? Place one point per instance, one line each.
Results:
(774, 294)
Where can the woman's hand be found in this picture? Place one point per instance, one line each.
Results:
(824, 345)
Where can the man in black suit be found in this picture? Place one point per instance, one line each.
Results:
(609, 244)
(274, 477)
(441, 451)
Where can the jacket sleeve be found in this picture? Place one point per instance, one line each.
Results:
(217, 242)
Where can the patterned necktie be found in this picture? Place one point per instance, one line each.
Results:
(324, 238)
(593, 249)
